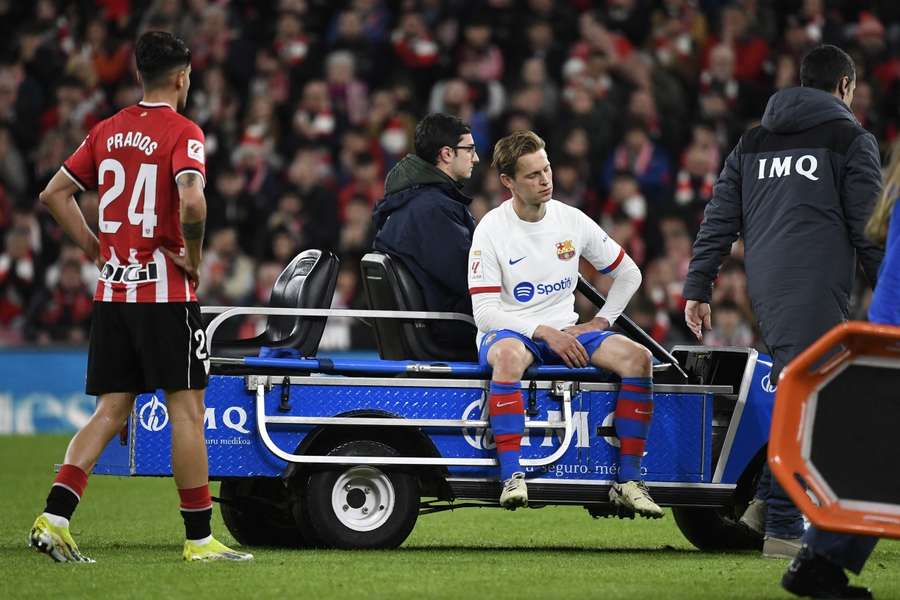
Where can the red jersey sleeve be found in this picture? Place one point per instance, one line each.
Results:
(80, 167)
(188, 154)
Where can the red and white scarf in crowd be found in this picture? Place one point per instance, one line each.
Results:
(635, 164)
(684, 191)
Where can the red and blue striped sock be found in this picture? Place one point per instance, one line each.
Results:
(508, 424)
(634, 410)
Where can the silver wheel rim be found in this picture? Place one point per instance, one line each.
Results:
(363, 498)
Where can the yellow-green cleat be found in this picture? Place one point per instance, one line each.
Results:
(54, 541)
(212, 550)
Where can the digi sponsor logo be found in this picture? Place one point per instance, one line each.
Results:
(523, 292)
(153, 415)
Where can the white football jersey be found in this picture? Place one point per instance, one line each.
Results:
(532, 268)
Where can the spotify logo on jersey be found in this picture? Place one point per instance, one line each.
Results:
(523, 292)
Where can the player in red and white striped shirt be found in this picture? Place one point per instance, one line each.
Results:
(147, 164)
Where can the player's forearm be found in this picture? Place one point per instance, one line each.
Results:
(627, 281)
(69, 216)
(193, 223)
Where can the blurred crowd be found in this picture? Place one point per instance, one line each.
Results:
(306, 104)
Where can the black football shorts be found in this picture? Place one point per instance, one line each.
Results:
(144, 347)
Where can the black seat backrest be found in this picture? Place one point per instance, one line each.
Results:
(307, 282)
(390, 286)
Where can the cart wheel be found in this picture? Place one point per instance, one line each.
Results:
(718, 529)
(257, 512)
(362, 506)
(714, 529)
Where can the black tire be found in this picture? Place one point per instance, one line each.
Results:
(714, 529)
(378, 510)
(719, 529)
(257, 512)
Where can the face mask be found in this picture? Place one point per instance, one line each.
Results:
(635, 207)
(393, 140)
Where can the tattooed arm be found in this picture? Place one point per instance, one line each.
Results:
(193, 222)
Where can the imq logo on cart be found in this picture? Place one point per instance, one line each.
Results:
(154, 416)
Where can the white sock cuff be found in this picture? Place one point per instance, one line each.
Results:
(202, 541)
(57, 521)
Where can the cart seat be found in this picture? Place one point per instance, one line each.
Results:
(307, 282)
(390, 286)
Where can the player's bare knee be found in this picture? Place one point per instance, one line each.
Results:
(186, 407)
(508, 361)
(638, 362)
(111, 417)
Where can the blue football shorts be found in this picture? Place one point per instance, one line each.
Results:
(540, 350)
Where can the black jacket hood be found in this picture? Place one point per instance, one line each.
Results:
(801, 108)
(407, 176)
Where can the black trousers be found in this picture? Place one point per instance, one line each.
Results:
(789, 326)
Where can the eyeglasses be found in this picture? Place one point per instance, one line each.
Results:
(466, 148)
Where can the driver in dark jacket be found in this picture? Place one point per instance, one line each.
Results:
(798, 190)
(424, 221)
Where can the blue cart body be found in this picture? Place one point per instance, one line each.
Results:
(680, 445)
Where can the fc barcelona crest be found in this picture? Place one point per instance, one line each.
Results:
(565, 250)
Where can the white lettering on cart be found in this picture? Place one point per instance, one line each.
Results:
(482, 438)
(237, 425)
(233, 417)
(582, 434)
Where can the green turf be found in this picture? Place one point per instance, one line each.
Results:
(133, 530)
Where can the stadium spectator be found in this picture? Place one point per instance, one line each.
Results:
(638, 155)
(750, 49)
(227, 274)
(730, 328)
(366, 184)
(348, 94)
(19, 277)
(62, 313)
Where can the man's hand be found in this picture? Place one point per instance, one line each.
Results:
(595, 324)
(182, 261)
(564, 344)
(697, 315)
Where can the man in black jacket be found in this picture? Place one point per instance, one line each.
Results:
(798, 190)
(424, 221)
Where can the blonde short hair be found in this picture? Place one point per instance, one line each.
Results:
(508, 150)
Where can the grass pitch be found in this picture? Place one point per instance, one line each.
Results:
(133, 529)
